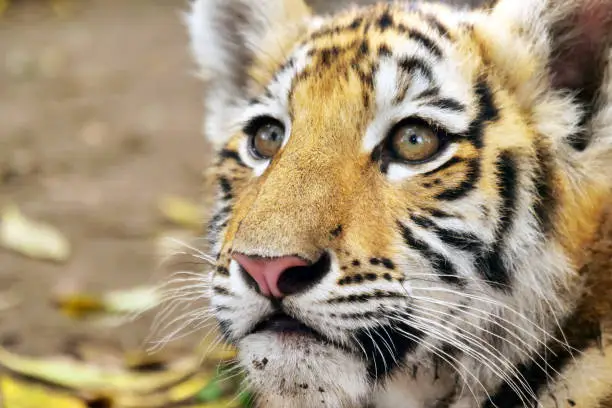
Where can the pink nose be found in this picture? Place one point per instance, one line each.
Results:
(267, 271)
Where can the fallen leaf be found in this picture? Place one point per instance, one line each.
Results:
(127, 302)
(102, 353)
(135, 300)
(177, 380)
(79, 305)
(181, 211)
(90, 378)
(30, 238)
(185, 390)
(3, 7)
(21, 394)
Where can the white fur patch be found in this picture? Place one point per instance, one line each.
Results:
(398, 172)
(301, 372)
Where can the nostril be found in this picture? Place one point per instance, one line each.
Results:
(301, 278)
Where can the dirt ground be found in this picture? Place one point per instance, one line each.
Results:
(100, 115)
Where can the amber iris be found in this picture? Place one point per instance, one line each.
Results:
(415, 142)
(267, 140)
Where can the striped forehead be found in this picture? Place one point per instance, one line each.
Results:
(406, 62)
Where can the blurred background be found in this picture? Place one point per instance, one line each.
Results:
(101, 158)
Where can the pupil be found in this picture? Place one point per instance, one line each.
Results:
(414, 139)
(271, 135)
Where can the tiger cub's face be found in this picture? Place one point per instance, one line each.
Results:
(401, 188)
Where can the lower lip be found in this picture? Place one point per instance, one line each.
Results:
(287, 326)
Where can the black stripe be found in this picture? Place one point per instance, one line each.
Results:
(421, 39)
(213, 225)
(488, 112)
(385, 21)
(448, 104)
(225, 185)
(442, 265)
(364, 48)
(386, 345)
(429, 92)
(545, 204)
(231, 154)
(423, 222)
(289, 63)
(507, 185)
(221, 291)
(439, 213)
(367, 79)
(410, 64)
(224, 328)
(437, 25)
(221, 270)
(364, 297)
(463, 241)
(336, 30)
(220, 213)
(472, 176)
(329, 54)
(491, 264)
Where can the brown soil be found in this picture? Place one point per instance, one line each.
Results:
(100, 117)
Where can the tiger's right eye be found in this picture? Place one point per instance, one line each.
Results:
(415, 143)
(266, 137)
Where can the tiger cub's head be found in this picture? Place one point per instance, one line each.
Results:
(400, 186)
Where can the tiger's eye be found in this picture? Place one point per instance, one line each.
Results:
(415, 143)
(267, 140)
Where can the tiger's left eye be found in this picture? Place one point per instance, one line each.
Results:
(414, 142)
(266, 137)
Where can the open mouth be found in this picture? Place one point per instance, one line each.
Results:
(284, 324)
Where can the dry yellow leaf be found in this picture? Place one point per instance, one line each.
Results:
(120, 302)
(89, 378)
(134, 300)
(31, 238)
(3, 6)
(80, 305)
(20, 394)
(222, 403)
(184, 390)
(181, 211)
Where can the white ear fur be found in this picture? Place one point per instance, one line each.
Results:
(226, 37)
(572, 40)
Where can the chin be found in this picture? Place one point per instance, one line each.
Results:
(299, 370)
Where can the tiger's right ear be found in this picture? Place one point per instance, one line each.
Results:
(227, 37)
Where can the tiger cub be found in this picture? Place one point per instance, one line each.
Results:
(411, 199)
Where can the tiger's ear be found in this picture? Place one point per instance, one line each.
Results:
(575, 39)
(227, 36)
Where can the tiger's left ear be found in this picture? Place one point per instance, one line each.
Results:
(230, 37)
(573, 36)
